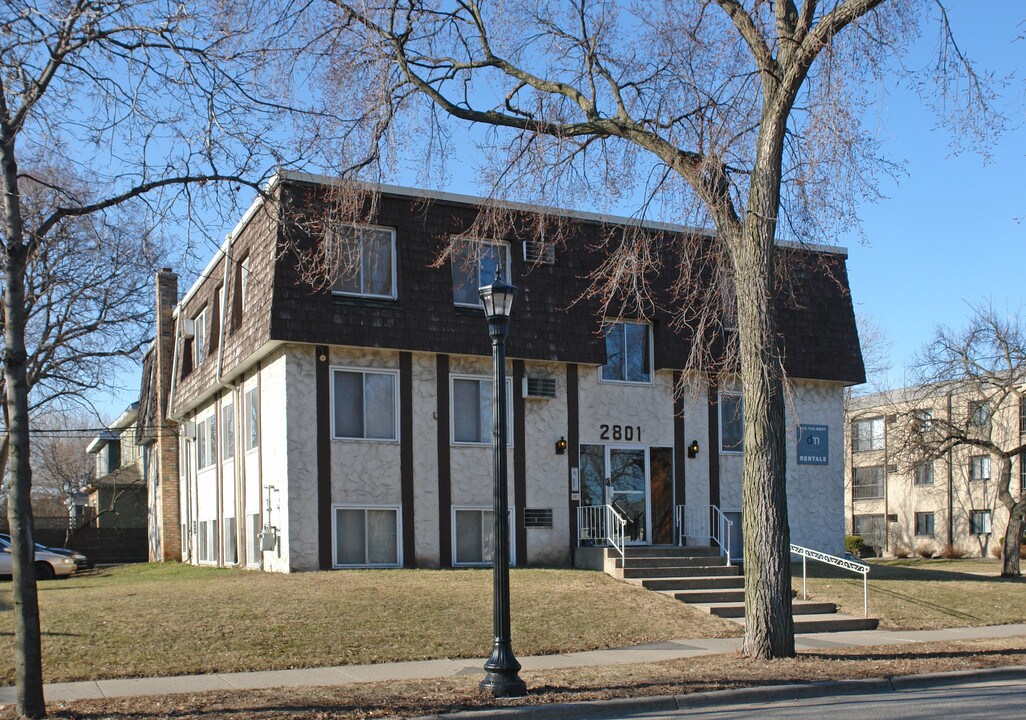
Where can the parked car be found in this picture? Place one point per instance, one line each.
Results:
(48, 564)
(81, 561)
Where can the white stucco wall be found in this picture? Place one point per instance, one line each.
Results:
(425, 460)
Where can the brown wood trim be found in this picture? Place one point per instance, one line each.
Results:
(519, 463)
(444, 467)
(680, 446)
(573, 448)
(406, 471)
(714, 445)
(322, 382)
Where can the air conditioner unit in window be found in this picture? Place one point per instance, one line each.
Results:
(539, 387)
(539, 252)
(188, 328)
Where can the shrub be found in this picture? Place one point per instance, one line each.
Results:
(924, 551)
(901, 551)
(950, 552)
(996, 550)
(854, 545)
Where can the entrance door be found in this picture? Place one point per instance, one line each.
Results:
(627, 490)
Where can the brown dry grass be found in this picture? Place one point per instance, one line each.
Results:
(918, 594)
(147, 620)
(411, 699)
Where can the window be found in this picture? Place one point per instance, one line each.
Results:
(252, 409)
(228, 431)
(1022, 471)
(244, 283)
(206, 437)
(732, 420)
(923, 420)
(472, 536)
(199, 340)
(924, 523)
(979, 467)
(231, 554)
(869, 483)
(868, 434)
(979, 522)
(474, 265)
(207, 541)
(870, 528)
(363, 404)
(253, 538)
(366, 536)
(628, 353)
(472, 410)
(1022, 416)
(924, 473)
(979, 413)
(366, 261)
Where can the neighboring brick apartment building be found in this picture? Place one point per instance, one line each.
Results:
(116, 498)
(350, 426)
(901, 504)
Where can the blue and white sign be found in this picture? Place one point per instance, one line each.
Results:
(813, 445)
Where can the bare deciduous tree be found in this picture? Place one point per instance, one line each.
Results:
(117, 120)
(982, 366)
(740, 113)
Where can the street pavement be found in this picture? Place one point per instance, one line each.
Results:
(429, 669)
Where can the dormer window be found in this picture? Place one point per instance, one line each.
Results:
(628, 353)
(365, 258)
(199, 341)
(474, 264)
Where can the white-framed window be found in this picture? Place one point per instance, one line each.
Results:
(979, 467)
(199, 339)
(206, 541)
(366, 535)
(472, 533)
(867, 434)
(253, 527)
(230, 549)
(868, 483)
(924, 523)
(364, 404)
(251, 406)
(206, 439)
(228, 431)
(472, 410)
(366, 261)
(474, 264)
(732, 422)
(628, 353)
(924, 473)
(979, 522)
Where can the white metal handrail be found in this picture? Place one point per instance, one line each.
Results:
(842, 563)
(705, 523)
(601, 523)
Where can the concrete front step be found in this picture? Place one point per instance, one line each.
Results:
(639, 551)
(692, 597)
(692, 583)
(668, 560)
(736, 609)
(834, 622)
(631, 572)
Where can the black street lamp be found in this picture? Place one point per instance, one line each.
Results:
(502, 667)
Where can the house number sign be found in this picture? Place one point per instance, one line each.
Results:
(624, 433)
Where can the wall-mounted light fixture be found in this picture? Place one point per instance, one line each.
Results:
(561, 446)
(693, 449)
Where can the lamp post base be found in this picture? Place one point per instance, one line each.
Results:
(502, 679)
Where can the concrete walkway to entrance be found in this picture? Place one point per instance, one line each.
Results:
(428, 669)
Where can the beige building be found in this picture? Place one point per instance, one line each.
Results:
(905, 500)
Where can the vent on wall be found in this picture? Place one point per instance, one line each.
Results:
(537, 252)
(539, 387)
(537, 517)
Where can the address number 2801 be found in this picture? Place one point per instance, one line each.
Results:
(625, 433)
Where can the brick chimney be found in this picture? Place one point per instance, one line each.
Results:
(165, 522)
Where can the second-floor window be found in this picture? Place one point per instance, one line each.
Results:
(474, 264)
(206, 437)
(228, 431)
(979, 467)
(364, 405)
(924, 473)
(366, 261)
(868, 434)
(472, 410)
(251, 407)
(628, 353)
(868, 483)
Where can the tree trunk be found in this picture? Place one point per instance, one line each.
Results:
(28, 662)
(1013, 540)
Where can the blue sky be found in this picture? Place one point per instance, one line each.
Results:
(950, 230)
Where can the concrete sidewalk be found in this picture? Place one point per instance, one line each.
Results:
(427, 669)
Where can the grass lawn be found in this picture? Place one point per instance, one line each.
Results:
(144, 620)
(917, 594)
(428, 697)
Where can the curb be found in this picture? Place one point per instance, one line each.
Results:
(621, 707)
